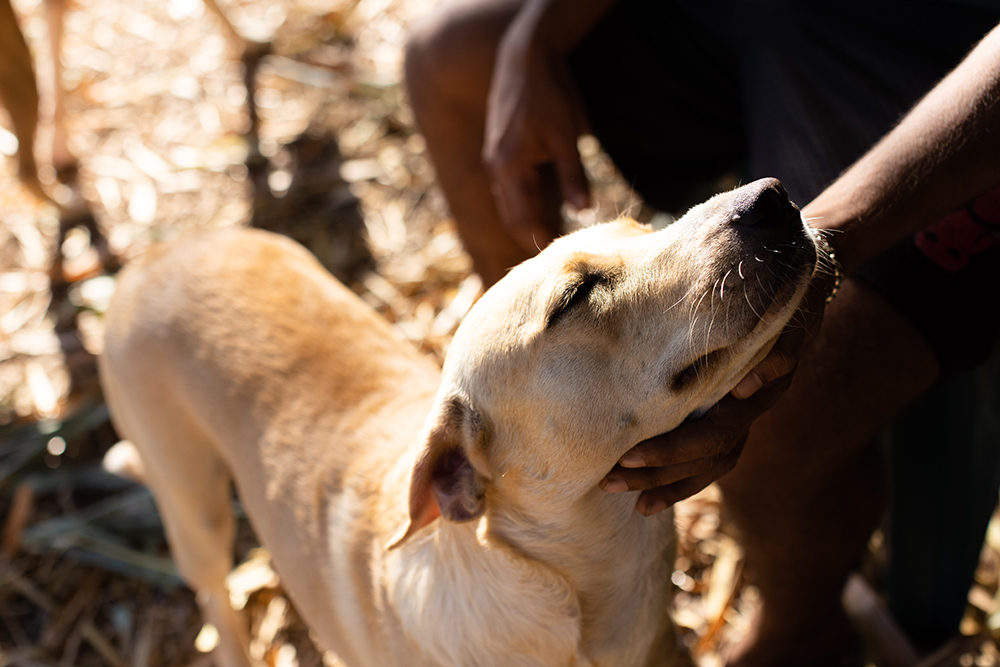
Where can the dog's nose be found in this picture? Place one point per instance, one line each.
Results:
(764, 203)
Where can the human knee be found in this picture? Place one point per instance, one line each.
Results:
(451, 50)
(430, 52)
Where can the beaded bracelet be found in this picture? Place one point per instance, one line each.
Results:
(838, 272)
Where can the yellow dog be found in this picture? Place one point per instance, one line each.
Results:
(451, 518)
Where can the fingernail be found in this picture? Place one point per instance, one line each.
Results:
(655, 507)
(615, 486)
(633, 460)
(748, 386)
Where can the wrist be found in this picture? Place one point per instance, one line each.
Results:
(839, 220)
(830, 272)
(551, 29)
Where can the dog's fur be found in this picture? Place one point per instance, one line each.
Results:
(453, 518)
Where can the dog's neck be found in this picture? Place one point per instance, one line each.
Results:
(605, 559)
(604, 548)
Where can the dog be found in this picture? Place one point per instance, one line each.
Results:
(421, 517)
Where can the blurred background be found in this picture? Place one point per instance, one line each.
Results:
(170, 140)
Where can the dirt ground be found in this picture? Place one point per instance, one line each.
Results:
(157, 115)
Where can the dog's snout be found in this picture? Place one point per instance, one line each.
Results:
(764, 203)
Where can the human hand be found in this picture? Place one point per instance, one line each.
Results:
(533, 120)
(675, 465)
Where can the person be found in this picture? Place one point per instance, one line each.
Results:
(681, 92)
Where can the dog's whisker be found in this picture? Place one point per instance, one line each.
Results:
(681, 300)
(696, 308)
(693, 322)
(722, 296)
(746, 297)
(711, 322)
(728, 319)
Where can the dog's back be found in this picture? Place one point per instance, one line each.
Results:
(241, 337)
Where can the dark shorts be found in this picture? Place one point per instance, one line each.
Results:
(680, 93)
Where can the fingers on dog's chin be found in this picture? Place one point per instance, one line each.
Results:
(653, 507)
(642, 479)
(778, 363)
(684, 444)
(735, 415)
(748, 386)
(655, 501)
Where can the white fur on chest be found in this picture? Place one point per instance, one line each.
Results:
(465, 603)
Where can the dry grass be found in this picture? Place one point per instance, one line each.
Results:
(157, 112)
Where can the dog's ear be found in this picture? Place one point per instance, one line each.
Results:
(444, 483)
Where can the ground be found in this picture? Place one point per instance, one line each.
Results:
(157, 115)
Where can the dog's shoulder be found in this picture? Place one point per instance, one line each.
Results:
(464, 601)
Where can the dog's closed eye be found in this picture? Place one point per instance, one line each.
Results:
(577, 292)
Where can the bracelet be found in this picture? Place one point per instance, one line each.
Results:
(831, 258)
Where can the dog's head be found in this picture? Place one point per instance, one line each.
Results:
(609, 336)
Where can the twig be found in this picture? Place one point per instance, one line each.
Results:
(304, 72)
(93, 547)
(202, 661)
(17, 518)
(101, 644)
(26, 657)
(138, 499)
(143, 643)
(81, 536)
(720, 620)
(11, 577)
(14, 627)
(950, 654)
(61, 622)
(89, 479)
(21, 446)
(71, 648)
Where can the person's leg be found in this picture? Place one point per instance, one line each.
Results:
(661, 94)
(19, 95)
(809, 487)
(945, 484)
(946, 463)
(449, 63)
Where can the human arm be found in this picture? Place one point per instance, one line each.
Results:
(945, 152)
(534, 117)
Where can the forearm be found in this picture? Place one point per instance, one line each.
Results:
(945, 152)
